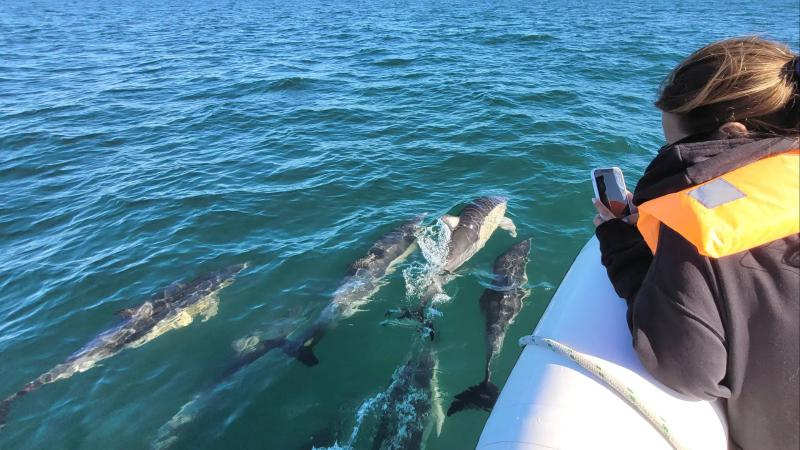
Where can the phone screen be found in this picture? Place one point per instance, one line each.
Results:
(611, 191)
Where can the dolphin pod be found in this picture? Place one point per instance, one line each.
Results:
(173, 307)
(413, 386)
(362, 280)
(500, 304)
(409, 409)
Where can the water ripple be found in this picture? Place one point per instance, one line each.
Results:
(147, 142)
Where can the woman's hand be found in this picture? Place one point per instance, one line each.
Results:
(604, 215)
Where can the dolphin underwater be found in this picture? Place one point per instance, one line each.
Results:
(403, 415)
(171, 308)
(363, 279)
(500, 304)
(469, 232)
(410, 409)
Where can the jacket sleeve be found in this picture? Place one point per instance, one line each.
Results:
(675, 320)
(625, 255)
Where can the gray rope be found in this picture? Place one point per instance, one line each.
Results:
(620, 388)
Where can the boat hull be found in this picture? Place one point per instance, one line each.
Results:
(550, 402)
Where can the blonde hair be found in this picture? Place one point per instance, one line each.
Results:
(748, 79)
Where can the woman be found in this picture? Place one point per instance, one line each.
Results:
(708, 260)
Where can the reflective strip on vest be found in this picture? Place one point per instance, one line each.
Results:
(743, 209)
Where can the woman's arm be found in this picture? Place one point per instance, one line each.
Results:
(625, 255)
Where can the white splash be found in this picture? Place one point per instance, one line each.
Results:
(335, 446)
(433, 241)
(367, 406)
(406, 416)
(420, 278)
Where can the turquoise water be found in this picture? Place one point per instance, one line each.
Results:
(147, 142)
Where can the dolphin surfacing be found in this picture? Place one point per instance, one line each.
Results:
(469, 232)
(170, 308)
(473, 227)
(500, 304)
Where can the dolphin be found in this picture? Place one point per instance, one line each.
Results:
(406, 412)
(171, 308)
(410, 408)
(473, 227)
(469, 232)
(500, 304)
(362, 280)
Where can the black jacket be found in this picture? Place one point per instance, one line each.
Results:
(726, 328)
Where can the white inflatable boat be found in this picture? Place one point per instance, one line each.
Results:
(579, 385)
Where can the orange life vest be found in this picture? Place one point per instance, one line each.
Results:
(743, 209)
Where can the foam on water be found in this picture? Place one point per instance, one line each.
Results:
(407, 419)
(368, 405)
(433, 241)
(398, 405)
(421, 277)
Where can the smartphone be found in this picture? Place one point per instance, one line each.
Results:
(609, 188)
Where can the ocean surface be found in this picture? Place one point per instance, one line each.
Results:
(145, 142)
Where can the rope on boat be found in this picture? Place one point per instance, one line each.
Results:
(626, 392)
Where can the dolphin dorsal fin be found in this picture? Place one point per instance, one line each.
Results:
(126, 313)
(450, 221)
(139, 312)
(360, 263)
(143, 312)
(172, 290)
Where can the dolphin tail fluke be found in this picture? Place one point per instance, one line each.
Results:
(303, 353)
(481, 396)
(306, 356)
